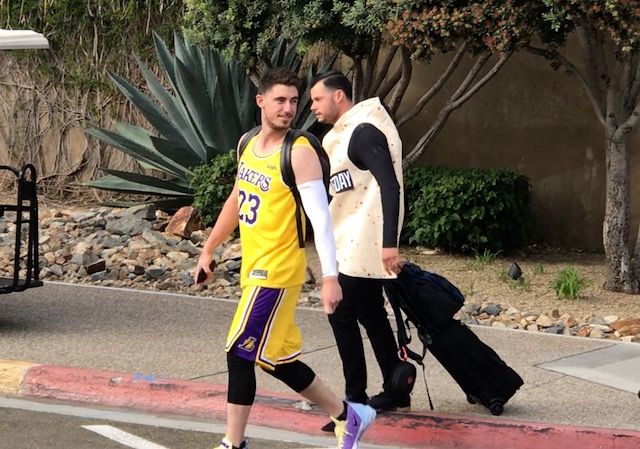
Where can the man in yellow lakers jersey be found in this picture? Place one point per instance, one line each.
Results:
(263, 331)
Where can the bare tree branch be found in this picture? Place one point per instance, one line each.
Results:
(592, 66)
(459, 97)
(426, 140)
(391, 82)
(357, 80)
(573, 70)
(480, 62)
(635, 259)
(403, 84)
(626, 75)
(484, 80)
(371, 66)
(391, 53)
(634, 90)
(633, 120)
(437, 86)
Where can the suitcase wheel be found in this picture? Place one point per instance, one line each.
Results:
(471, 399)
(496, 407)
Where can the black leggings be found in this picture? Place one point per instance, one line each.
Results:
(242, 378)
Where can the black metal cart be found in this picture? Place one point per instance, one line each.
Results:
(26, 266)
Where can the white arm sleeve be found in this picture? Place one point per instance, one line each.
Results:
(314, 200)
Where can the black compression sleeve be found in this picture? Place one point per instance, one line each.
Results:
(242, 380)
(368, 150)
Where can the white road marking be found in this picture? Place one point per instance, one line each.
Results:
(190, 424)
(123, 437)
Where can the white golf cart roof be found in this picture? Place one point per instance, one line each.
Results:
(21, 39)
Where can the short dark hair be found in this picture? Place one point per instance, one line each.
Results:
(277, 75)
(334, 80)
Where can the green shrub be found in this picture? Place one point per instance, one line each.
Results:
(212, 184)
(464, 209)
(569, 284)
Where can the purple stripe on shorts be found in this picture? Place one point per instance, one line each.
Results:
(258, 321)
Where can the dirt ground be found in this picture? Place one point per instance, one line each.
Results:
(489, 283)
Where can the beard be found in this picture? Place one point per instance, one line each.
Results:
(330, 116)
(278, 123)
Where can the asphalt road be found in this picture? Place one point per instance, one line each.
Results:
(157, 335)
(50, 425)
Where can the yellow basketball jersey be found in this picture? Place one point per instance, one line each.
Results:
(271, 256)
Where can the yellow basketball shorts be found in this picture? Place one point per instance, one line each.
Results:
(264, 328)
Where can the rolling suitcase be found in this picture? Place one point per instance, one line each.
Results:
(481, 373)
(429, 302)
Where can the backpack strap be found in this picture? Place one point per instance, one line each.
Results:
(289, 179)
(246, 138)
(404, 338)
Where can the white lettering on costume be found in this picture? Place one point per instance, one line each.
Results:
(341, 181)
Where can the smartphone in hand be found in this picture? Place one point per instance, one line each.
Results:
(202, 275)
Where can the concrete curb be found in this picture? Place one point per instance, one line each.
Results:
(206, 400)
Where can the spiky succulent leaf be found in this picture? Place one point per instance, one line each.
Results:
(128, 182)
(199, 107)
(134, 150)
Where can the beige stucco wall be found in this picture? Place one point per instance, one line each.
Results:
(538, 121)
(529, 117)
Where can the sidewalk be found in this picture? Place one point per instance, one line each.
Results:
(163, 354)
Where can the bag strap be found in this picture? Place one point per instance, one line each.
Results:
(289, 178)
(246, 138)
(404, 338)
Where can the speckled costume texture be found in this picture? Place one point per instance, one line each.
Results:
(359, 235)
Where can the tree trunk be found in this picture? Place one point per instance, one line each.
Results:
(635, 260)
(616, 227)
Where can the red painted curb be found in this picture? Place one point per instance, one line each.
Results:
(124, 390)
(206, 400)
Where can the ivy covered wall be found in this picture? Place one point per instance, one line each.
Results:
(48, 96)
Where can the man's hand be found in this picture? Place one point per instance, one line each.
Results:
(330, 293)
(203, 270)
(391, 260)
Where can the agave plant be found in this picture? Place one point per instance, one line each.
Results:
(208, 105)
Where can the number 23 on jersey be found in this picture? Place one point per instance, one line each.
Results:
(248, 206)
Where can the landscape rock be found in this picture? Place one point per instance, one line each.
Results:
(184, 222)
(136, 248)
(619, 324)
(544, 321)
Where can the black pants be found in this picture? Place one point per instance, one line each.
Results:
(362, 302)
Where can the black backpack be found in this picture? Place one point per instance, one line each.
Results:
(287, 171)
(428, 300)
